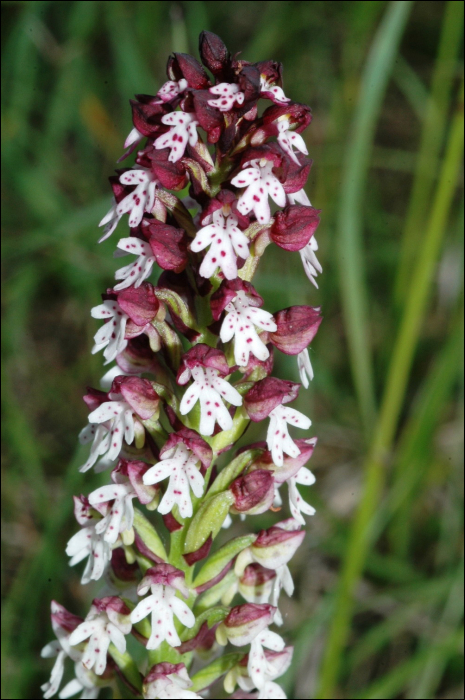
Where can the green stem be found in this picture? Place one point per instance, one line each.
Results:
(431, 141)
(396, 385)
(375, 78)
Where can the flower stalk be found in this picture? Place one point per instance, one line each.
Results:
(191, 355)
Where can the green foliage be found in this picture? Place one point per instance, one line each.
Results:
(383, 79)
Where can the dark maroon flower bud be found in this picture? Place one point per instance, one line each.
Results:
(167, 680)
(296, 175)
(169, 244)
(271, 71)
(214, 54)
(163, 575)
(244, 622)
(173, 176)
(146, 116)
(267, 394)
(294, 226)
(200, 553)
(94, 398)
(182, 65)
(209, 118)
(291, 465)
(202, 355)
(275, 547)
(140, 304)
(113, 606)
(270, 151)
(120, 567)
(62, 620)
(134, 471)
(256, 583)
(249, 83)
(139, 393)
(253, 493)
(203, 640)
(297, 326)
(227, 291)
(193, 442)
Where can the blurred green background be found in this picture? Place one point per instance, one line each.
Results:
(378, 611)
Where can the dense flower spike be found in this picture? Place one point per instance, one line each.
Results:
(191, 366)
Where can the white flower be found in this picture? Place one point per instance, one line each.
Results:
(59, 648)
(180, 465)
(278, 438)
(283, 580)
(310, 262)
(287, 139)
(296, 503)
(183, 130)
(170, 90)
(239, 322)
(305, 368)
(163, 604)
(138, 271)
(109, 424)
(83, 681)
(300, 197)
(89, 543)
(130, 144)
(121, 514)
(277, 92)
(229, 93)
(110, 337)
(259, 668)
(171, 686)
(210, 389)
(226, 241)
(100, 630)
(137, 202)
(260, 182)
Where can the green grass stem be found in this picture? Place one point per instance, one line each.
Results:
(354, 293)
(431, 142)
(396, 385)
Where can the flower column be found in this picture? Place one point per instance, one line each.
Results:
(191, 355)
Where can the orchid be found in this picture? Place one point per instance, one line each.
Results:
(191, 351)
(261, 183)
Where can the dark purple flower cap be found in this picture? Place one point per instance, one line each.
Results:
(172, 176)
(227, 291)
(134, 470)
(182, 65)
(169, 244)
(253, 493)
(193, 442)
(215, 56)
(202, 355)
(140, 304)
(147, 115)
(139, 393)
(62, 619)
(297, 326)
(267, 394)
(294, 226)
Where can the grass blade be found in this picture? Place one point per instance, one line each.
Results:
(396, 384)
(350, 225)
(431, 141)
